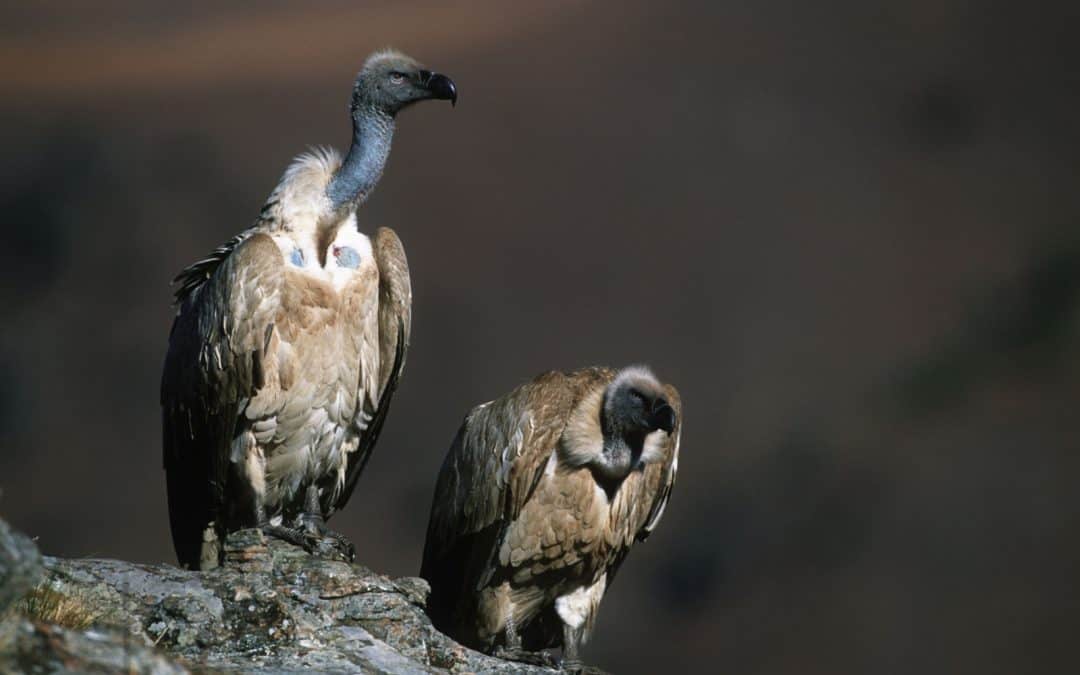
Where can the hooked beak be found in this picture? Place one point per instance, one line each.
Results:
(662, 416)
(441, 87)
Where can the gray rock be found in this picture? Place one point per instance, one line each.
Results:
(20, 566)
(44, 648)
(20, 571)
(270, 608)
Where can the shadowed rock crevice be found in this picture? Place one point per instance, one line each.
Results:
(271, 608)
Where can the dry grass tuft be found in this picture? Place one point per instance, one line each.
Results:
(46, 605)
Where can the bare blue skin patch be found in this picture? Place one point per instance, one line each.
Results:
(347, 256)
(297, 257)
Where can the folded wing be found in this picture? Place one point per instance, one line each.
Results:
(216, 363)
(394, 326)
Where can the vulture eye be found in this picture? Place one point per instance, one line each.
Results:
(396, 78)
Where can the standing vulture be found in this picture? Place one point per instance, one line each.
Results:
(288, 344)
(540, 498)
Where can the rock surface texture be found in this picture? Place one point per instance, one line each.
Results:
(270, 608)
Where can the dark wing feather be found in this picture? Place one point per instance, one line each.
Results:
(192, 277)
(195, 275)
(212, 368)
(395, 325)
(670, 469)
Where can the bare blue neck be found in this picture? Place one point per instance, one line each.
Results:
(363, 166)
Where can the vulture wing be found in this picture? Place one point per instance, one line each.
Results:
(394, 325)
(214, 366)
(661, 486)
(649, 496)
(195, 275)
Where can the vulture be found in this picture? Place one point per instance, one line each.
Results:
(539, 499)
(288, 344)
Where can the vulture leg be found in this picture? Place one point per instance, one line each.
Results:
(311, 533)
(294, 537)
(571, 663)
(513, 651)
(314, 526)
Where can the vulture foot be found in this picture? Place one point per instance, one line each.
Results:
(316, 539)
(571, 666)
(540, 658)
(576, 667)
(334, 545)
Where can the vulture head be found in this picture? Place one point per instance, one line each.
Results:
(634, 407)
(390, 81)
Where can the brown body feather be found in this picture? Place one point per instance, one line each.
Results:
(518, 520)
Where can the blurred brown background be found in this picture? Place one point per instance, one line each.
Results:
(848, 234)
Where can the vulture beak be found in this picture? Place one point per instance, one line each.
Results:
(662, 415)
(441, 87)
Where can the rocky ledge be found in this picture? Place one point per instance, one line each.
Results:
(270, 608)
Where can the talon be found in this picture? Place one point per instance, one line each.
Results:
(315, 538)
(540, 658)
(572, 666)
